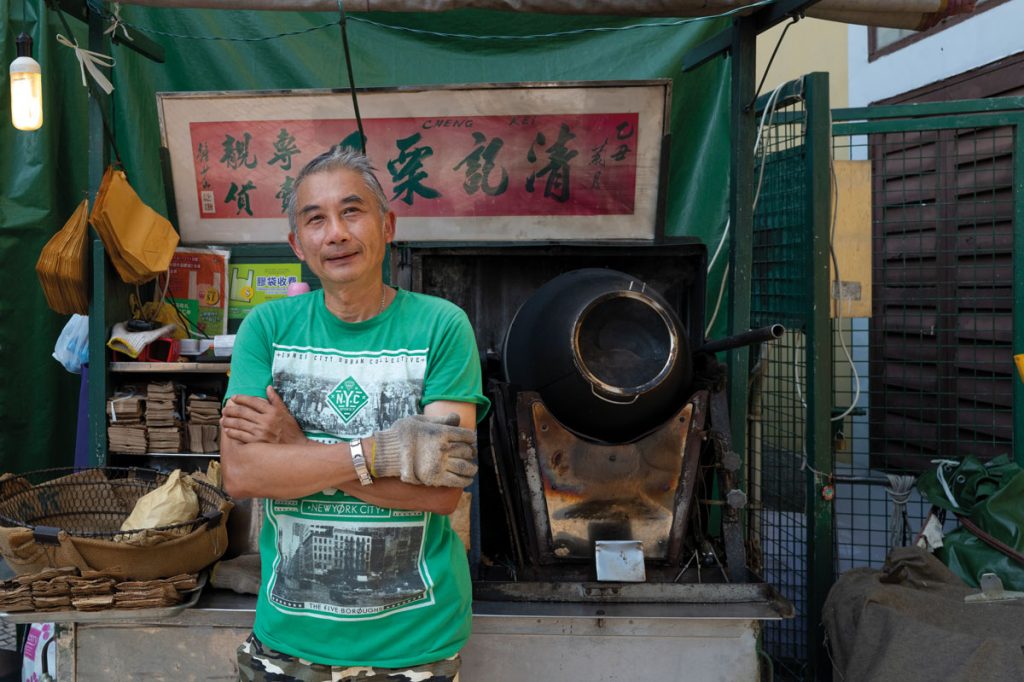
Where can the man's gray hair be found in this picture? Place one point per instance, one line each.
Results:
(337, 158)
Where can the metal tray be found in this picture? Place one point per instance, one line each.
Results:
(109, 615)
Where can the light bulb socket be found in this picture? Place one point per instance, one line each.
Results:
(24, 44)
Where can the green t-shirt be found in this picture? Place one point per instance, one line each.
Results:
(345, 582)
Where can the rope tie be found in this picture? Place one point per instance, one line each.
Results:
(91, 61)
(117, 23)
(899, 490)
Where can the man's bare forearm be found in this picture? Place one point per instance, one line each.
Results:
(284, 471)
(393, 493)
(289, 471)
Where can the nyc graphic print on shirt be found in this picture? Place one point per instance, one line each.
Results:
(340, 557)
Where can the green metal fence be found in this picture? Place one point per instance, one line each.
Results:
(930, 373)
(789, 522)
(852, 404)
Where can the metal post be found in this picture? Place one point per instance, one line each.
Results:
(1018, 287)
(98, 159)
(742, 62)
(819, 367)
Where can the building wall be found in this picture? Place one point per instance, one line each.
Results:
(985, 38)
(809, 45)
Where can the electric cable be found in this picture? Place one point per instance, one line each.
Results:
(839, 301)
(767, 116)
(771, 59)
(351, 79)
(718, 301)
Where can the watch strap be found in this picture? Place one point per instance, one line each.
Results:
(359, 461)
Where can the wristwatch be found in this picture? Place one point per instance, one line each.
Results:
(359, 462)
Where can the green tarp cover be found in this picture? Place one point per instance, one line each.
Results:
(45, 173)
(989, 494)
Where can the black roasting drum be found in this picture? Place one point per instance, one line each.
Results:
(606, 353)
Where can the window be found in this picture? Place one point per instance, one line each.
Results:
(883, 41)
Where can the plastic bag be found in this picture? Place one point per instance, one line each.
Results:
(32, 659)
(72, 347)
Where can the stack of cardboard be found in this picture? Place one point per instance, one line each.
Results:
(92, 593)
(162, 421)
(126, 432)
(125, 407)
(62, 266)
(15, 597)
(66, 589)
(203, 423)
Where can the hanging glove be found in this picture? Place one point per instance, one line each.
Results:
(426, 450)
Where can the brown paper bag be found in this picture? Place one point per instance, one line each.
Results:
(62, 266)
(173, 502)
(139, 240)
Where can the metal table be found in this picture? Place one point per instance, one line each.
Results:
(711, 635)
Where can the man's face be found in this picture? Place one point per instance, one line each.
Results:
(341, 233)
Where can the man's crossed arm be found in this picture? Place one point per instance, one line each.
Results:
(419, 464)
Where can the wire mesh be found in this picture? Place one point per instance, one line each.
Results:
(922, 369)
(933, 362)
(778, 472)
(91, 503)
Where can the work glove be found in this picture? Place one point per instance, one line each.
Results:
(426, 451)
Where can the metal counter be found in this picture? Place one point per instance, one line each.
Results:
(713, 635)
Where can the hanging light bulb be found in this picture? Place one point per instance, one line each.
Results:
(26, 87)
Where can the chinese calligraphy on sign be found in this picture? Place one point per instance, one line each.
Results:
(466, 166)
(505, 162)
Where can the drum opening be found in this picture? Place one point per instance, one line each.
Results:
(625, 344)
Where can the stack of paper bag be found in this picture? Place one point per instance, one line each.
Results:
(164, 438)
(160, 397)
(140, 241)
(203, 423)
(62, 265)
(127, 439)
(203, 409)
(125, 406)
(126, 432)
(163, 421)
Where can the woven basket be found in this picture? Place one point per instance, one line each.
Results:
(62, 517)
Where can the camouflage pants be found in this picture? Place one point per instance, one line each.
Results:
(257, 663)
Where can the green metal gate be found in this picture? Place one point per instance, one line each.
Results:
(788, 445)
(841, 407)
(933, 362)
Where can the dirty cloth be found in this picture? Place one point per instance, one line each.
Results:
(909, 621)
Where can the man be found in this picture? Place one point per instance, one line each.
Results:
(362, 574)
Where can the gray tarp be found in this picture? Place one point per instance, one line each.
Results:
(909, 622)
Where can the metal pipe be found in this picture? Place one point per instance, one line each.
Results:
(747, 338)
(861, 480)
(758, 376)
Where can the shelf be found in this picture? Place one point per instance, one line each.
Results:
(190, 367)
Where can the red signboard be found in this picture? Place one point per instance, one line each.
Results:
(534, 165)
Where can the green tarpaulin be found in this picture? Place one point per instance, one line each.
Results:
(45, 173)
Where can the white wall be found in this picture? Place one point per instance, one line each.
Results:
(985, 38)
